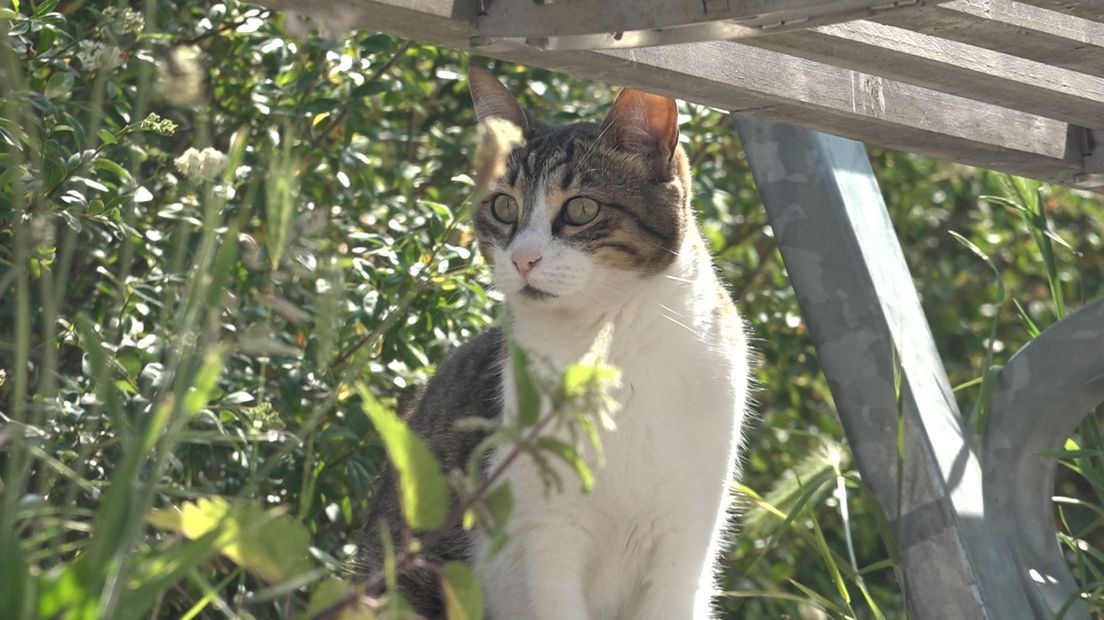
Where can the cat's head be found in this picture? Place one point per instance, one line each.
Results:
(581, 213)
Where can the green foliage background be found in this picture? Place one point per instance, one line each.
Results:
(172, 342)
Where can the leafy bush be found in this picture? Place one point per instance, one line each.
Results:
(224, 235)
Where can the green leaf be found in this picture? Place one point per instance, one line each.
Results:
(270, 544)
(423, 489)
(569, 455)
(1032, 329)
(14, 599)
(102, 372)
(106, 136)
(67, 595)
(225, 262)
(830, 563)
(60, 85)
(794, 494)
(281, 191)
(527, 394)
(333, 592)
(1027, 190)
(1000, 297)
(578, 378)
(500, 504)
(877, 611)
(1007, 203)
(368, 89)
(237, 398)
(378, 43)
(819, 599)
(205, 383)
(43, 8)
(158, 572)
(985, 397)
(463, 597)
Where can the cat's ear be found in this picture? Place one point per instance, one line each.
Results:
(643, 123)
(492, 100)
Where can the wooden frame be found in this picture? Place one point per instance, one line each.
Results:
(990, 83)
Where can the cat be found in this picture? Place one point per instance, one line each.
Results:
(590, 227)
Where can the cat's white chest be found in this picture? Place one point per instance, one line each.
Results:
(680, 410)
(660, 497)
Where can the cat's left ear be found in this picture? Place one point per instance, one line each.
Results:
(643, 123)
(492, 100)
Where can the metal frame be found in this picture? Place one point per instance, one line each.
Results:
(1044, 391)
(975, 523)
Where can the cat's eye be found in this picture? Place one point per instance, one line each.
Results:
(504, 208)
(581, 210)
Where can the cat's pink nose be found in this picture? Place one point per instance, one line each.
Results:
(525, 260)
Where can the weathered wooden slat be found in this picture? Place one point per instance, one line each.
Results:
(642, 23)
(759, 82)
(1085, 9)
(737, 77)
(1012, 27)
(949, 66)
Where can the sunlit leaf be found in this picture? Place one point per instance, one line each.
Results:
(423, 490)
(463, 597)
(528, 397)
(267, 542)
(570, 456)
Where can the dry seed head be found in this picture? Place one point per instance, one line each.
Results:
(497, 137)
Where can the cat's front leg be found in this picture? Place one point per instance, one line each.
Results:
(539, 574)
(680, 579)
(555, 553)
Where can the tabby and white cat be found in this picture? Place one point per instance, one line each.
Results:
(590, 225)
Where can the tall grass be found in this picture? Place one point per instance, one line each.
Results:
(194, 360)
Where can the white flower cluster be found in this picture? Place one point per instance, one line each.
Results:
(96, 56)
(202, 165)
(126, 21)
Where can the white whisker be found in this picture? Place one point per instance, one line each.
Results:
(671, 310)
(696, 334)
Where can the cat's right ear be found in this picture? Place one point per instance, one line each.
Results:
(492, 100)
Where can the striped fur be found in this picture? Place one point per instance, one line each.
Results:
(643, 215)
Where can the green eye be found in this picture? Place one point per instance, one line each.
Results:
(504, 208)
(581, 210)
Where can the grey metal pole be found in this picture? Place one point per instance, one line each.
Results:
(885, 374)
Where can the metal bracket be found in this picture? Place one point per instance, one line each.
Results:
(1092, 158)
